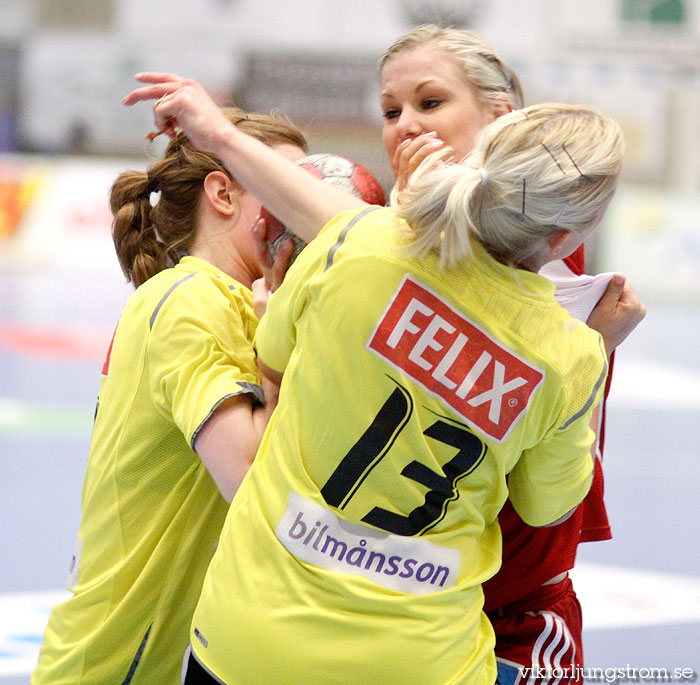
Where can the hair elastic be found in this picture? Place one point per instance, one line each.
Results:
(561, 214)
(484, 176)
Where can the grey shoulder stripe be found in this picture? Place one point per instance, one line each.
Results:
(253, 389)
(591, 399)
(246, 389)
(165, 297)
(343, 234)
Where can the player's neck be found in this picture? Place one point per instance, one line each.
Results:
(225, 258)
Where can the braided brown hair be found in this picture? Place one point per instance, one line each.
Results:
(151, 237)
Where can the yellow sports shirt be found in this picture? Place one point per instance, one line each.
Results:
(151, 514)
(355, 548)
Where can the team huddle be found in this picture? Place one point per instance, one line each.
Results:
(373, 465)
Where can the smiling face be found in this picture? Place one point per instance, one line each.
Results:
(425, 90)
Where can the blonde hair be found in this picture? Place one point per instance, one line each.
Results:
(533, 172)
(490, 75)
(149, 238)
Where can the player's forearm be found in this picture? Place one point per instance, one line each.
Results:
(228, 442)
(262, 414)
(301, 201)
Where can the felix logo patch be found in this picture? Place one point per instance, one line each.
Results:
(453, 358)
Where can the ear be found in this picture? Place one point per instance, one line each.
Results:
(220, 192)
(557, 241)
(501, 105)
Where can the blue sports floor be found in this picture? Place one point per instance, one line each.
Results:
(640, 591)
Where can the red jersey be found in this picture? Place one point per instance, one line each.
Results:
(532, 556)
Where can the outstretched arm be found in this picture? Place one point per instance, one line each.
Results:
(301, 201)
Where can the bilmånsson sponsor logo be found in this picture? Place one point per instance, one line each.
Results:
(315, 534)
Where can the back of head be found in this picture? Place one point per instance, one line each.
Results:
(533, 172)
(155, 212)
(490, 75)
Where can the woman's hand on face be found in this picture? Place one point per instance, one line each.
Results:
(181, 103)
(411, 152)
(618, 312)
(274, 270)
(260, 297)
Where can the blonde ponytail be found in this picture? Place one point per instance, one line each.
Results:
(548, 167)
(438, 204)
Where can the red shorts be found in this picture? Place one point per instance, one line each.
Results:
(539, 638)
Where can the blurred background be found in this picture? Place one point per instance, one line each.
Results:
(64, 136)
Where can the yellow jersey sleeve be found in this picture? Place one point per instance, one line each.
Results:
(198, 353)
(551, 478)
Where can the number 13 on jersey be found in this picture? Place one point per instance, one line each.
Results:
(374, 445)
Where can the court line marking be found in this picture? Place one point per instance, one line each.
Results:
(641, 382)
(21, 417)
(612, 598)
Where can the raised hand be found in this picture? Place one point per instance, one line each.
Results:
(302, 202)
(182, 103)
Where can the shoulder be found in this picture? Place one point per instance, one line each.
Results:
(371, 232)
(357, 221)
(202, 291)
(176, 296)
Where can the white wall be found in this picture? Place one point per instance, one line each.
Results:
(571, 50)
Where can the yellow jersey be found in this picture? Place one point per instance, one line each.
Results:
(356, 546)
(151, 513)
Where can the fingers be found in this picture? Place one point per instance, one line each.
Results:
(281, 264)
(635, 307)
(168, 128)
(181, 104)
(618, 312)
(156, 77)
(161, 86)
(411, 153)
(155, 92)
(261, 294)
(620, 295)
(616, 286)
(260, 246)
(275, 270)
(613, 292)
(272, 279)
